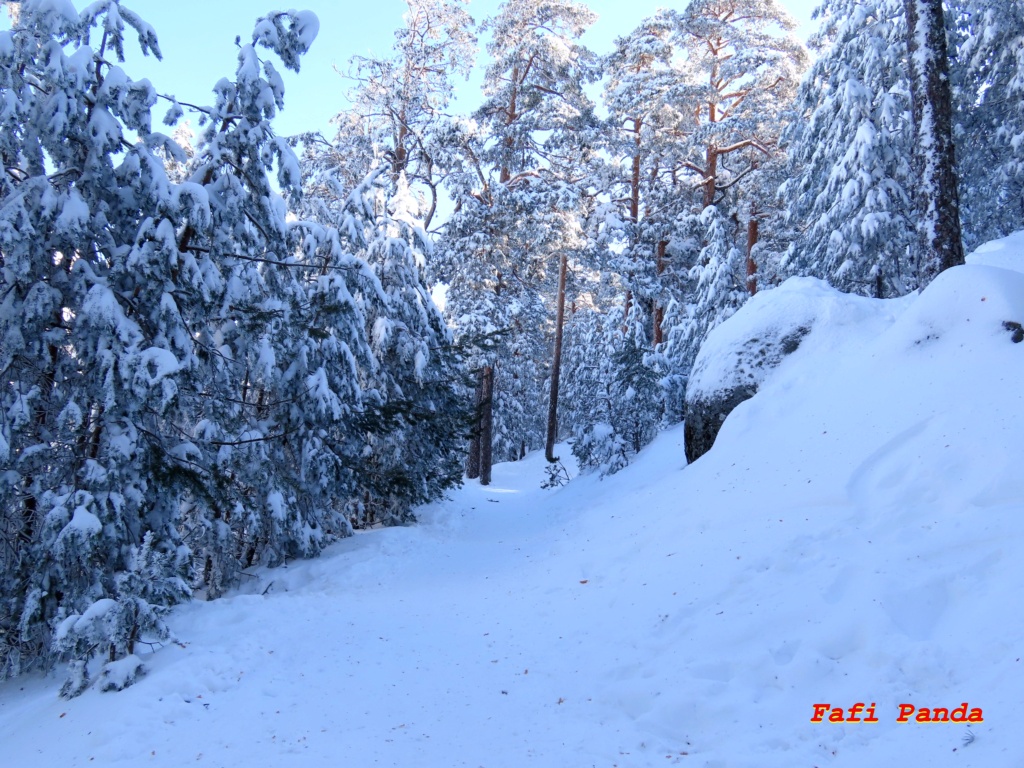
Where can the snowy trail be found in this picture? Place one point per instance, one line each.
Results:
(862, 552)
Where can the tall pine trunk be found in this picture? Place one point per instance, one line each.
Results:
(753, 233)
(658, 318)
(473, 462)
(486, 424)
(556, 362)
(932, 106)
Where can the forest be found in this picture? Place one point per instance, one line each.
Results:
(225, 348)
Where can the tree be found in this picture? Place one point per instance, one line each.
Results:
(89, 330)
(747, 73)
(515, 202)
(402, 99)
(852, 185)
(648, 97)
(987, 74)
(415, 421)
(610, 387)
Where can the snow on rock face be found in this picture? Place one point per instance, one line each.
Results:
(741, 353)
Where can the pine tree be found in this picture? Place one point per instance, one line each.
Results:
(89, 327)
(853, 184)
(401, 100)
(415, 420)
(987, 73)
(747, 73)
(611, 385)
(648, 96)
(282, 337)
(515, 208)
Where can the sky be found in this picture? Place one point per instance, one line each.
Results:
(197, 40)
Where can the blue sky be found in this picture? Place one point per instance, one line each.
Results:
(197, 38)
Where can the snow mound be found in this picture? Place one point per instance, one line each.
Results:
(815, 318)
(1007, 253)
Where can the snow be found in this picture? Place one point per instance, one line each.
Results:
(118, 675)
(307, 26)
(827, 321)
(83, 522)
(854, 536)
(1007, 253)
(63, 8)
(157, 363)
(97, 612)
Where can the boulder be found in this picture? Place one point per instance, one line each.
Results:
(706, 407)
(739, 356)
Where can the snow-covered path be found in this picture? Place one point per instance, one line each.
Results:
(476, 638)
(855, 536)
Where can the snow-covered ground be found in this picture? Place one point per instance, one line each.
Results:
(856, 535)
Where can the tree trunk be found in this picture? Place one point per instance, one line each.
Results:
(556, 362)
(659, 311)
(486, 424)
(473, 462)
(711, 168)
(931, 102)
(634, 207)
(401, 153)
(634, 186)
(752, 237)
(511, 117)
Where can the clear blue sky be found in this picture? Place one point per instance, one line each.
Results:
(197, 38)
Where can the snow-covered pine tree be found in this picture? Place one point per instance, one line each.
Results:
(515, 202)
(378, 184)
(647, 96)
(720, 288)
(747, 67)
(283, 338)
(89, 328)
(610, 386)
(414, 409)
(852, 185)
(987, 74)
(495, 305)
(402, 99)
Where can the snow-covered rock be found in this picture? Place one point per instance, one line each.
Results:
(741, 353)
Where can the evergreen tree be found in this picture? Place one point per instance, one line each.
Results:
(747, 73)
(648, 97)
(90, 332)
(610, 388)
(987, 73)
(282, 336)
(852, 182)
(415, 420)
(516, 203)
(401, 100)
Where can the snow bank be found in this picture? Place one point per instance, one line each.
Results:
(1007, 253)
(802, 319)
